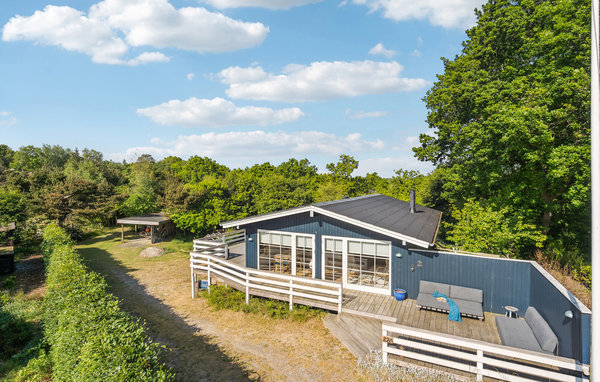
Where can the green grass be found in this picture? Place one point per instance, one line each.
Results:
(22, 350)
(222, 297)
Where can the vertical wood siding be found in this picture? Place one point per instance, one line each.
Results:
(504, 282)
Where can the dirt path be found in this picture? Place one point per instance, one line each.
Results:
(209, 345)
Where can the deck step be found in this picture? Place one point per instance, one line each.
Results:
(361, 313)
(357, 334)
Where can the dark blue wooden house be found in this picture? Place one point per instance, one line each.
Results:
(356, 241)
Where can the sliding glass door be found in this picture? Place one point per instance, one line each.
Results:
(286, 253)
(358, 264)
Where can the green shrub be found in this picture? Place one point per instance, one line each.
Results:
(90, 337)
(583, 274)
(221, 297)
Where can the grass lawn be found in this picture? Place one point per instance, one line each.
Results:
(209, 344)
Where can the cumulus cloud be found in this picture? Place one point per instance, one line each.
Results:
(256, 145)
(7, 119)
(386, 166)
(447, 13)
(216, 112)
(112, 27)
(318, 81)
(416, 53)
(380, 49)
(365, 114)
(269, 4)
(190, 76)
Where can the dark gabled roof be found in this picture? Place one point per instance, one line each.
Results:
(376, 212)
(389, 213)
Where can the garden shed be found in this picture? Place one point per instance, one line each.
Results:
(158, 226)
(7, 252)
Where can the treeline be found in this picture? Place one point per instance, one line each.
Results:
(81, 191)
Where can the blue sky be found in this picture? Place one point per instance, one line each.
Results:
(241, 81)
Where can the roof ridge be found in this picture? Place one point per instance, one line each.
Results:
(345, 200)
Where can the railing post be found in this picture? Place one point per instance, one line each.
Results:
(193, 281)
(479, 364)
(247, 290)
(340, 298)
(226, 251)
(384, 345)
(208, 271)
(291, 294)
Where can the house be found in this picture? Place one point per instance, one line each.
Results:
(355, 241)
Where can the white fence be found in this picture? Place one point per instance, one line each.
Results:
(476, 357)
(219, 245)
(305, 291)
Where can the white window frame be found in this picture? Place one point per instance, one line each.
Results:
(345, 283)
(294, 244)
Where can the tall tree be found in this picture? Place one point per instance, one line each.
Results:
(510, 116)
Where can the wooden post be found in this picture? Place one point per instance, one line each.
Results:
(384, 345)
(208, 271)
(193, 276)
(135, 230)
(247, 290)
(291, 294)
(479, 364)
(152, 234)
(122, 232)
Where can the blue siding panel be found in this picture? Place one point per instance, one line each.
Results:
(573, 333)
(503, 281)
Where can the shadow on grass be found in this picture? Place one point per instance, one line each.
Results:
(192, 356)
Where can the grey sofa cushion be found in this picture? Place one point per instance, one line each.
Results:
(464, 293)
(516, 333)
(427, 300)
(471, 308)
(428, 287)
(541, 330)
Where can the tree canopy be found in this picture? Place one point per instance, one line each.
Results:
(510, 119)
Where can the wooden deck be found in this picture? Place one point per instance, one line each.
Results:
(358, 327)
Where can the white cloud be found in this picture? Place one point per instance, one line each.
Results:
(255, 146)
(343, 3)
(416, 53)
(216, 112)
(447, 13)
(112, 27)
(380, 49)
(190, 76)
(319, 81)
(6, 119)
(365, 114)
(420, 40)
(269, 4)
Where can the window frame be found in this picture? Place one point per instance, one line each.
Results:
(294, 235)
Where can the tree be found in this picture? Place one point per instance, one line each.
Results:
(344, 168)
(510, 115)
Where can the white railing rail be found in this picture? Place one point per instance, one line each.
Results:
(313, 292)
(477, 357)
(234, 237)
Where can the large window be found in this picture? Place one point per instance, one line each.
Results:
(334, 270)
(275, 252)
(368, 264)
(287, 253)
(304, 256)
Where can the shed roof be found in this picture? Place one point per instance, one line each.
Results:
(376, 212)
(9, 227)
(150, 219)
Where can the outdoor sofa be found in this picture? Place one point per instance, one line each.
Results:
(530, 333)
(469, 300)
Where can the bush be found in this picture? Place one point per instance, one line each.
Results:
(90, 338)
(221, 297)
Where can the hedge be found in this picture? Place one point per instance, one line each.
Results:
(90, 337)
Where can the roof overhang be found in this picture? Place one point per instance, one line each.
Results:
(313, 209)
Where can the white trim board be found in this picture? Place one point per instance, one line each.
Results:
(324, 212)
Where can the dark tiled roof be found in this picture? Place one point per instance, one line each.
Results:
(389, 213)
(378, 210)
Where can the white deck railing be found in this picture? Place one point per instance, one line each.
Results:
(477, 357)
(311, 292)
(219, 245)
(234, 237)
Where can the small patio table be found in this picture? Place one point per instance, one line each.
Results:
(511, 311)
